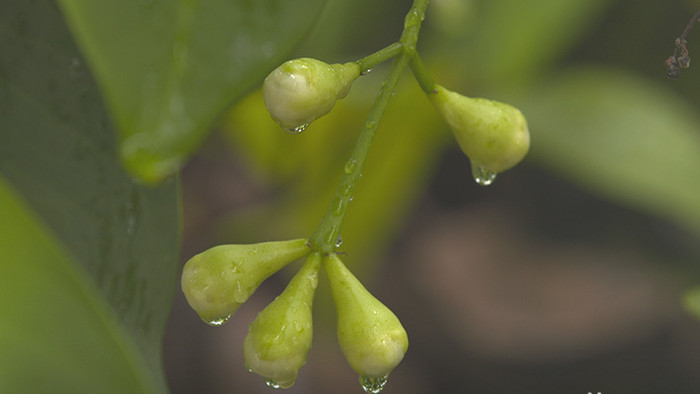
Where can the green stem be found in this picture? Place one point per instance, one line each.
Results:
(424, 80)
(382, 55)
(326, 234)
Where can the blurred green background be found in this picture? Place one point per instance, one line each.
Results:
(575, 272)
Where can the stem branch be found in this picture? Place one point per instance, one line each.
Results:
(382, 55)
(326, 234)
(424, 80)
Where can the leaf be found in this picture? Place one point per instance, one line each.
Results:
(56, 333)
(167, 69)
(623, 137)
(57, 150)
(510, 40)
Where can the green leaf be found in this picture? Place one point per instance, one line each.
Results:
(623, 137)
(509, 40)
(56, 333)
(167, 69)
(57, 150)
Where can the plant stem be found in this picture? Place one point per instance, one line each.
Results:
(326, 234)
(382, 55)
(424, 80)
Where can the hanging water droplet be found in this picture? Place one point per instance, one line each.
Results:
(350, 166)
(483, 176)
(373, 385)
(338, 241)
(367, 71)
(218, 322)
(298, 129)
(271, 383)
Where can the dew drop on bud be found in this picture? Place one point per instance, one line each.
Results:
(373, 385)
(218, 322)
(338, 241)
(271, 384)
(298, 129)
(482, 176)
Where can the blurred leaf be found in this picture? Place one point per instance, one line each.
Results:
(167, 69)
(691, 301)
(56, 334)
(57, 150)
(623, 137)
(512, 39)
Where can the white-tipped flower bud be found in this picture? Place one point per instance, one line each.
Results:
(279, 338)
(302, 90)
(493, 135)
(217, 281)
(370, 335)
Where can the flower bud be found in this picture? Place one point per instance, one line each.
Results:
(493, 135)
(370, 335)
(302, 90)
(217, 281)
(279, 338)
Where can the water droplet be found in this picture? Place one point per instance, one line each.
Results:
(271, 383)
(218, 322)
(482, 176)
(350, 166)
(297, 130)
(373, 385)
(339, 206)
(338, 241)
(367, 71)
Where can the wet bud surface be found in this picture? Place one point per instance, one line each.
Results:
(493, 135)
(217, 281)
(302, 90)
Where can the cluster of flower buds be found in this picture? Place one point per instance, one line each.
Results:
(493, 135)
(217, 281)
(302, 90)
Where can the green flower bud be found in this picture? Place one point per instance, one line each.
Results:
(370, 335)
(302, 90)
(217, 281)
(279, 338)
(493, 135)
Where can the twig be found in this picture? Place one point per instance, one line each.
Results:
(675, 63)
